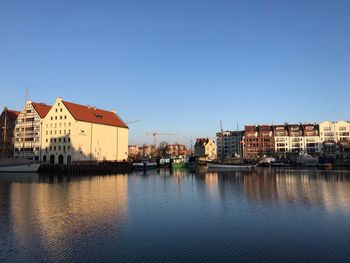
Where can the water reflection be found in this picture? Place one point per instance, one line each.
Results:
(329, 189)
(67, 208)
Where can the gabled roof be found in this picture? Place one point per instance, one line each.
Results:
(91, 114)
(41, 108)
(13, 114)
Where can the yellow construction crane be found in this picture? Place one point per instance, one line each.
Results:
(155, 134)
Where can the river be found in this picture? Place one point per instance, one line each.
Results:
(267, 215)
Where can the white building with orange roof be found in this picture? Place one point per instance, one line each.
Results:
(28, 130)
(74, 133)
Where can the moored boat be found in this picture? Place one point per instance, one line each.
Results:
(18, 165)
(266, 161)
(228, 166)
(144, 164)
(305, 159)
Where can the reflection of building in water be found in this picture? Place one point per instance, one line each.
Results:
(69, 210)
(211, 183)
(310, 187)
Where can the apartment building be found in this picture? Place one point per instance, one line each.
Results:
(335, 137)
(229, 144)
(28, 130)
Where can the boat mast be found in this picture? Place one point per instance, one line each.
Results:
(5, 132)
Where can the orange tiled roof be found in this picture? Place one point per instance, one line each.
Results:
(91, 114)
(41, 108)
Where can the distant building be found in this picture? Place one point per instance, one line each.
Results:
(312, 140)
(229, 144)
(258, 141)
(29, 130)
(176, 149)
(147, 150)
(335, 137)
(205, 147)
(133, 150)
(74, 133)
(282, 139)
(7, 132)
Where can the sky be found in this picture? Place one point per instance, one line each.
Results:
(181, 66)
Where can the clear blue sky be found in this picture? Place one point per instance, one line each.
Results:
(181, 66)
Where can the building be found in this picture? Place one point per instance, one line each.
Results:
(335, 138)
(229, 144)
(74, 133)
(312, 140)
(133, 151)
(176, 150)
(205, 147)
(7, 132)
(251, 142)
(29, 130)
(266, 141)
(147, 150)
(282, 140)
(296, 138)
(258, 141)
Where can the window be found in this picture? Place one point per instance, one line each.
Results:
(55, 132)
(65, 117)
(60, 132)
(68, 139)
(51, 118)
(64, 132)
(54, 140)
(55, 125)
(60, 117)
(54, 148)
(58, 104)
(59, 140)
(56, 110)
(59, 148)
(50, 132)
(61, 110)
(64, 148)
(64, 139)
(50, 148)
(47, 140)
(47, 132)
(68, 148)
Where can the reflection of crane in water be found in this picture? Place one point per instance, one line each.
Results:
(155, 134)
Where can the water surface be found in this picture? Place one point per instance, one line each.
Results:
(180, 216)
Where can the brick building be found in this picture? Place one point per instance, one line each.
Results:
(7, 132)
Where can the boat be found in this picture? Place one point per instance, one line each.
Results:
(266, 161)
(144, 164)
(305, 159)
(164, 162)
(19, 165)
(178, 162)
(228, 166)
